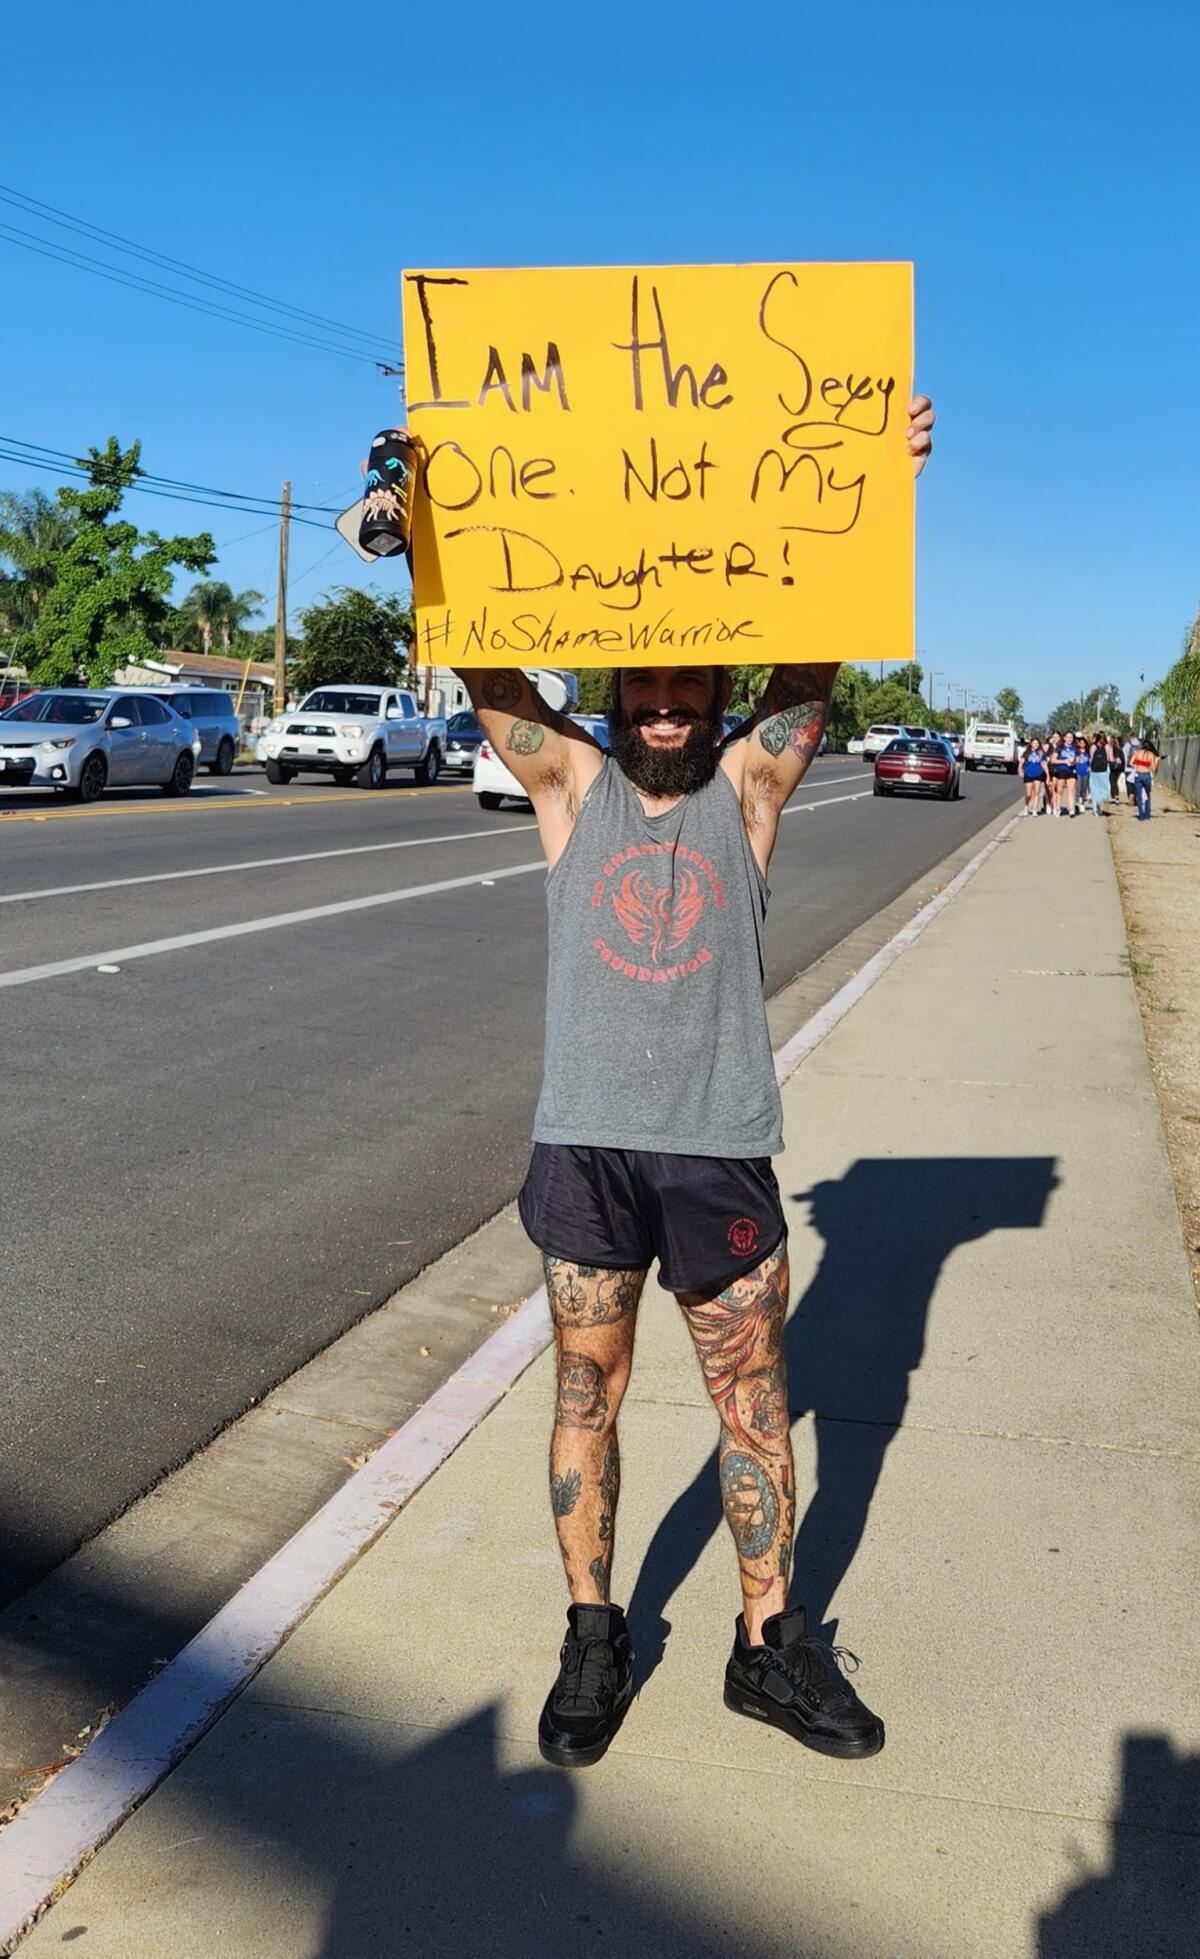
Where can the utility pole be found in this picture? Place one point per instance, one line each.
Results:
(285, 512)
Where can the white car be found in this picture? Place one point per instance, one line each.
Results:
(877, 737)
(354, 734)
(855, 745)
(493, 781)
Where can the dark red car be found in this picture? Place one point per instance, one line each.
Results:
(919, 768)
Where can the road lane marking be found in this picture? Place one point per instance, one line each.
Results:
(242, 799)
(183, 941)
(256, 864)
(44, 1846)
(828, 801)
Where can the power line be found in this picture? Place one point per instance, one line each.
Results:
(112, 238)
(70, 461)
(80, 262)
(244, 509)
(316, 564)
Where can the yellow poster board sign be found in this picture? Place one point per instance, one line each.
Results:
(662, 465)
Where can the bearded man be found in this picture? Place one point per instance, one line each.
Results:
(658, 1119)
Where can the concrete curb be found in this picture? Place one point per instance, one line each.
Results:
(47, 1843)
(59, 1831)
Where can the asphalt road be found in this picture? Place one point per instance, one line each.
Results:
(222, 1154)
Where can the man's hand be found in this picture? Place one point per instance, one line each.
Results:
(920, 436)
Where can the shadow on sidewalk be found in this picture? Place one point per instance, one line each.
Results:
(310, 1835)
(1148, 1900)
(889, 1226)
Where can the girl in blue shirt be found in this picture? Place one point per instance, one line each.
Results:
(1083, 770)
(1033, 769)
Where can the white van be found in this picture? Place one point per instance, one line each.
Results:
(992, 745)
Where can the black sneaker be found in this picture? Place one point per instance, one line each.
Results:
(793, 1682)
(588, 1701)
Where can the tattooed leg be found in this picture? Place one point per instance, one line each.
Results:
(595, 1312)
(738, 1337)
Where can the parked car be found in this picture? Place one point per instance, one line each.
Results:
(463, 736)
(992, 745)
(877, 737)
(213, 714)
(923, 767)
(354, 734)
(493, 781)
(83, 740)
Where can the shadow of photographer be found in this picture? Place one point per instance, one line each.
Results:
(1148, 1899)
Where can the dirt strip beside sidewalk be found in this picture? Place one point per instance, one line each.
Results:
(1158, 870)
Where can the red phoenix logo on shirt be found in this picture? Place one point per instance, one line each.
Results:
(660, 915)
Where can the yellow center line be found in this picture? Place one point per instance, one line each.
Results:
(203, 805)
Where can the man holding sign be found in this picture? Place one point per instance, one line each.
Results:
(659, 1111)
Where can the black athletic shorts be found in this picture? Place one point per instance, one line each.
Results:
(707, 1219)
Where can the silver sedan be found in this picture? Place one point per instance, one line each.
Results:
(87, 739)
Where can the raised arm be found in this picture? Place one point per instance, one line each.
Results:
(771, 752)
(552, 757)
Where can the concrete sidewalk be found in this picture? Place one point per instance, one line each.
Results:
(995, 1328)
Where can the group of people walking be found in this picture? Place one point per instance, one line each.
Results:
(1068, 775)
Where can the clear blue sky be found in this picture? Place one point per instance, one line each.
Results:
(1038, 163)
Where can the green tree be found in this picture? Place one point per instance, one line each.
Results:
(212, 610)
(354, 636)
(34, 531)
(1008, 706)
(1174, 701)
(104, 595)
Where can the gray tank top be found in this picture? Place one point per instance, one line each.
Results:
(656, 1030)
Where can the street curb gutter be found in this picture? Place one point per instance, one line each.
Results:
(59, 1831)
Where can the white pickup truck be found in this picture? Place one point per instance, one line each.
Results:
(992, 745)
(354, 734)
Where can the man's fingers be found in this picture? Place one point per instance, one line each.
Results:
(921, 421)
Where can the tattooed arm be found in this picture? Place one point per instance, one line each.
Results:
(771, 752)
(553, 759)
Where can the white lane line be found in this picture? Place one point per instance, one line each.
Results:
(47, 1841)
(828, 781)
(828, 801)
(121, 955)
(257, 863)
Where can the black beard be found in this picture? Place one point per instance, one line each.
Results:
(665, 771)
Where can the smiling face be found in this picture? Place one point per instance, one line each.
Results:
(665, 726)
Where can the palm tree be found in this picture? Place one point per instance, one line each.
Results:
(213, 610)
(240, 610)
(33, 528)
(202, 609)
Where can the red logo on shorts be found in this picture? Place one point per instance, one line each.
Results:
(743, 1237)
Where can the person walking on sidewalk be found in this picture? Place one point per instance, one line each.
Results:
(1083, 771)
(1033, 771)
(1116, 768)
(1130, 792)
(1098, 776)
(653, 1138)
(1143, 767)
(1063, 769)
